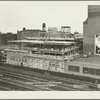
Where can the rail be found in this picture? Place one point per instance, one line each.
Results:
(48, 77)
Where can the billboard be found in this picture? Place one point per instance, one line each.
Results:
(97, 45)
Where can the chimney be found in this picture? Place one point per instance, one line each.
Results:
(43, 27)
(24, 28)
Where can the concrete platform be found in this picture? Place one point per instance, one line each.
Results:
(91, 59)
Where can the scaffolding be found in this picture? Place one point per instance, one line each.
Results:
(47, 54)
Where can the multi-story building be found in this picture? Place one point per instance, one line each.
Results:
(28, 33)
(5, 37)
(91, 27)
(52, 54)
(42, 54)
(51, 32)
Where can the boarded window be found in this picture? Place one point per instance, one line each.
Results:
(73, 68)
(89, 70)
(97, 71)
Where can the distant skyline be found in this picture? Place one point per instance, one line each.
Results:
(14, 15)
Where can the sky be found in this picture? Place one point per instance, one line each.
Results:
(14, 15)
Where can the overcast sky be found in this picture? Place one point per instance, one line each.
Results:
(14, 15)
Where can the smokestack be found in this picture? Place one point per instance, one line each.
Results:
(24, 28)
(44, 27)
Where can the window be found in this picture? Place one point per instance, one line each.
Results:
(15, 59)
(24, 60)
(4, 57)
(11, 59)
(20, 60)
(89, 70)
(97, 71)
(73, 68)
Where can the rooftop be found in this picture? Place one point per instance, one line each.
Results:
(42, 42)
(49, 38)
(91, 59)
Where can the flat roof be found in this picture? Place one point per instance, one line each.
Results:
(16, 50)
(49, 38)
(95, 59)
(43, 42)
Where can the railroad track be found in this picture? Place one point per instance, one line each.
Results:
(21, 84)
(20, 81)
(4, 88)
(19, 69)
(31, 74)
(70, 82)
(32, 79)
(9, 87)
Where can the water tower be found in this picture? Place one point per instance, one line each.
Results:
(66, 29)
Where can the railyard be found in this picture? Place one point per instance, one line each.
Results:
(18, 78)
(52, 59)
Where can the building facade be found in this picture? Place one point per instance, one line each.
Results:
(28, 33)
(91, 27)
(42, 54)
(5, 37)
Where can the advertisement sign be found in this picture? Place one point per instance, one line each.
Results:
(97, 44)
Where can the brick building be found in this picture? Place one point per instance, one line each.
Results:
(91, 27)
(28, 33)
(5, 37)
